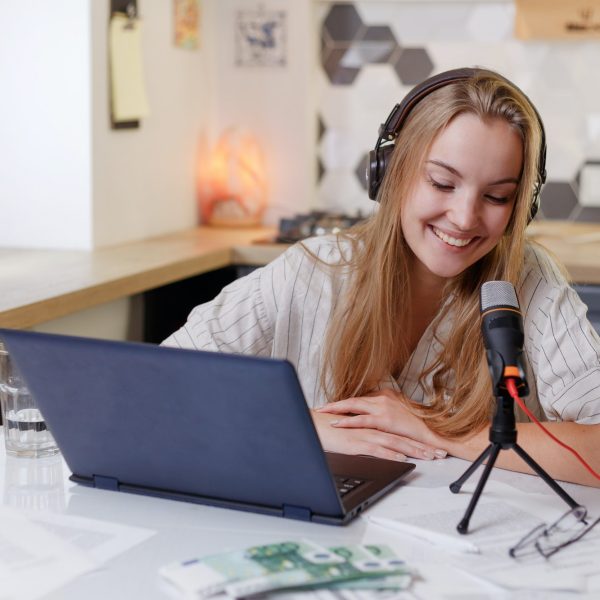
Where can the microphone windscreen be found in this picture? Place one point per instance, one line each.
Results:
(498, 293)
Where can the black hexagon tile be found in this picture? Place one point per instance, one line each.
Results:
(320, 169)
(558, 200)
(342, 22)
(337, 73)
(361, 171)
(320, 128)
(413, 65)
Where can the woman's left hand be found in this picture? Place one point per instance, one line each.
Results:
(384, 411)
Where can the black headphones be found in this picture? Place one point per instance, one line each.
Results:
(379, 157)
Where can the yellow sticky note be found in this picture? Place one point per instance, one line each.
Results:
(128, 93)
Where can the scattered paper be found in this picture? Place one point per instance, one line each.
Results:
(503, 515)
(99, 540)
(33, 561)
(42, 551)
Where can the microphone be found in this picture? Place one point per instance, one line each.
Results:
(503, 337)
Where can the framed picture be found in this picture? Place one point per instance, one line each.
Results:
(260, 38)
(187, 23)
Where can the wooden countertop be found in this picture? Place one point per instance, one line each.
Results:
(577, 245)
(40, 285)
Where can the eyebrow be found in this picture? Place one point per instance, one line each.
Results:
(452, 170)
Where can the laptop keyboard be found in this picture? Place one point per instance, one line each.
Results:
(347, 484)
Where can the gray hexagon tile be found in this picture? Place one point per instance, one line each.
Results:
(413, 65)
(320, 128)
(589, 214)
(361, 171)
(343, 22)
(337, 73)
(588, 180)
(362, 53)
(376, 45)
(558, 201)
(320, 169)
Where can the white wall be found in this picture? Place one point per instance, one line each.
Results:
(91, 186)
(45, 124)
(67, 180)
(275, 103)
(144, 179)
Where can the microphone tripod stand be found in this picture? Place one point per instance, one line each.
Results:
(503, 436)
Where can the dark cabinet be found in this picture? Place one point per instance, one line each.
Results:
(590, 294)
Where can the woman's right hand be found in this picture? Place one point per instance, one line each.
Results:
(369, 442)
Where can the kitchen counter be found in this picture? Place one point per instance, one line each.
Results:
(576, 245)
(40, 285)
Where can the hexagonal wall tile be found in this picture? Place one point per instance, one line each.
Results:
(413, 65)
(589, 214)
(337, 73)
(343, 22)
(320, 128)
(588, 180)
(558, 200)
(320, 169)
(361, 171)
(376, 44)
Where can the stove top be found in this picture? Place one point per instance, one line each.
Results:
(314, 223)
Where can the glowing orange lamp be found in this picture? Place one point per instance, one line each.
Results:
(232, 183)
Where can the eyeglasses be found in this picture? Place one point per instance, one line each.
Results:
(549, 539)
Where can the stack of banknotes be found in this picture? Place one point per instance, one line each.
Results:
(289, 566)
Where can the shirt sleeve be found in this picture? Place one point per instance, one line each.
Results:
(241, 319)
(564, 349)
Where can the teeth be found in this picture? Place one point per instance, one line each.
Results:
(450, 240)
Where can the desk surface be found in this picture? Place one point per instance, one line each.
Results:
(187, 530)
(40, 285)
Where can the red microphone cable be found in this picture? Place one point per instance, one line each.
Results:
(512, 390)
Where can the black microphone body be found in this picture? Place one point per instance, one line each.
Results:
(503, 337)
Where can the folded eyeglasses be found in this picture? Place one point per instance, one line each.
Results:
(549, 539)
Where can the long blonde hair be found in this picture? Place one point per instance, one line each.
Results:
(365, 341)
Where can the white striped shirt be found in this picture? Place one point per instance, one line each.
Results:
(282, 310)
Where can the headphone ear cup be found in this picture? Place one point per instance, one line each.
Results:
(371, 174)
(376, 168)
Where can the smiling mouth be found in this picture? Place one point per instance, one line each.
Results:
(451, 241)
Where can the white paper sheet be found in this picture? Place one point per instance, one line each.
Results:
(99, 540)
(33, 561)
(42, 551)
(502, 516)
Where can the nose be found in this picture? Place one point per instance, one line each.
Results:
(463, 211)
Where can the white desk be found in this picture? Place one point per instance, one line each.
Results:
(186, 530)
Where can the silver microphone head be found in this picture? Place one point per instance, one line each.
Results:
(498, 293)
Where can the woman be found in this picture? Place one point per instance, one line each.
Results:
(382, 323)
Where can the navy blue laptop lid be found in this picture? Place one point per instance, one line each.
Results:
(202, 426)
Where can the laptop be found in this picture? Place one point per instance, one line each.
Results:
(219, 429)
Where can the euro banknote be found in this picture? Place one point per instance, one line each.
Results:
(287, 565)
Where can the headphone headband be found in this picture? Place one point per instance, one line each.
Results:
(380, 156)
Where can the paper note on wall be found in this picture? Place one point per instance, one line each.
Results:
(557, 19)
(128, 93)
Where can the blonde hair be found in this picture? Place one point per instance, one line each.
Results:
(365, 341)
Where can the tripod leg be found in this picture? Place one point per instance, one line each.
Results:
(545, 476)
(463, 526)
(455, 487)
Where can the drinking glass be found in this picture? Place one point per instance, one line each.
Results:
(25, 431)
